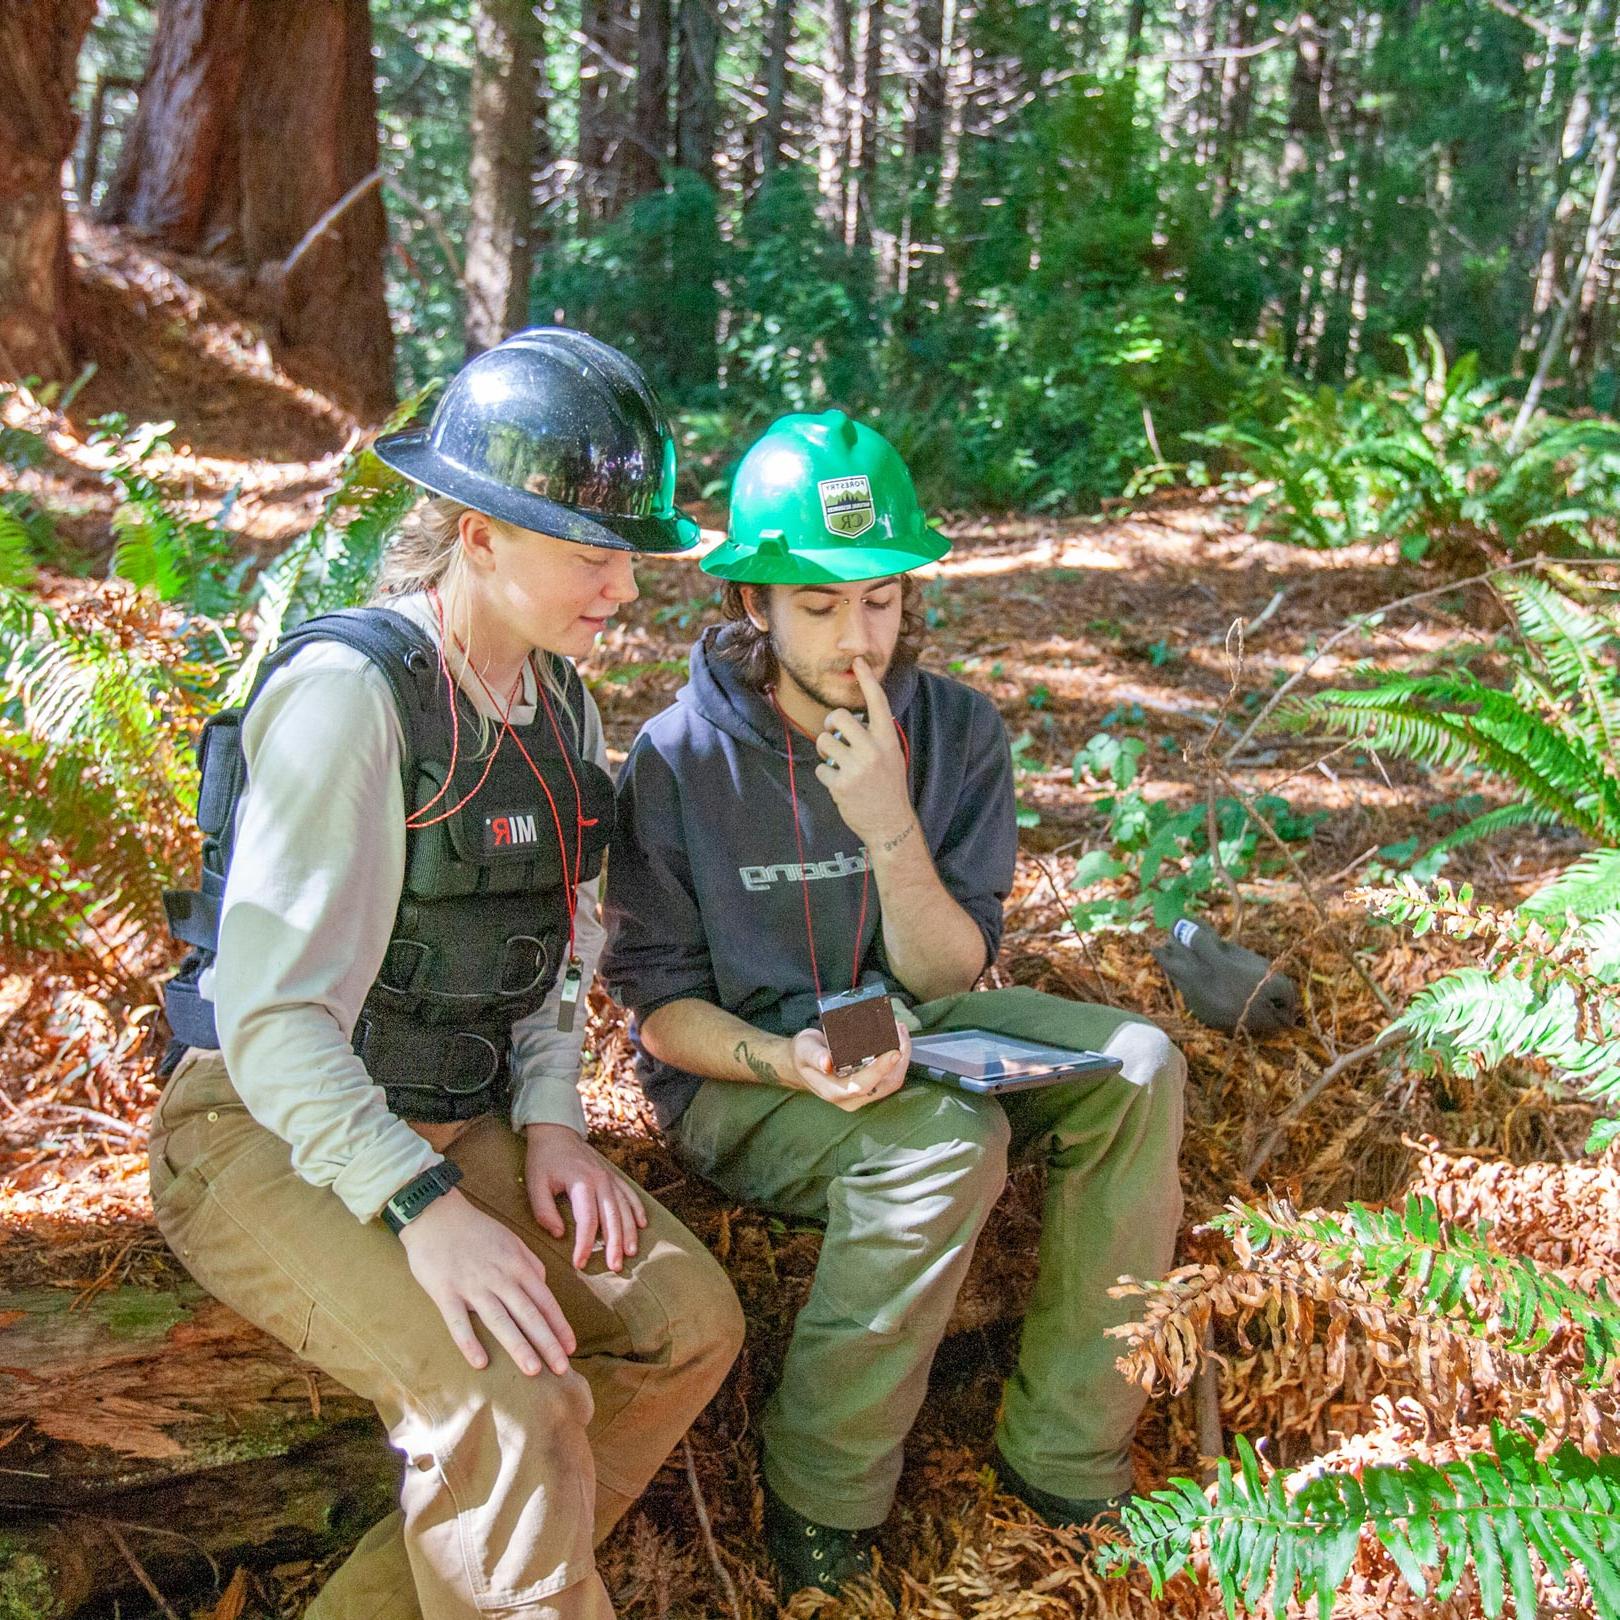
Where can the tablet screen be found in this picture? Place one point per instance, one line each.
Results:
(983, 1056)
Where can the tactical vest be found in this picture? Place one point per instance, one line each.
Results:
(481, 932)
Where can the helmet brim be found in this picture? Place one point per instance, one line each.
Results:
(830, 565)
(413, 457)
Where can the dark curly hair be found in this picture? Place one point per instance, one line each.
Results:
(747, 648)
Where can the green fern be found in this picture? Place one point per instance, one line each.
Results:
(1497, 1513)
(1550, 735)
(1415, 460)
(1429, 1268)
(1550, 992)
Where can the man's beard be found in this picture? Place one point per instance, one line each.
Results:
(810, 681)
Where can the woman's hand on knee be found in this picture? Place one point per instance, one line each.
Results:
(470, 1265)
(560, 1164)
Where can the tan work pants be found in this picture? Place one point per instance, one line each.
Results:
(510, 1480)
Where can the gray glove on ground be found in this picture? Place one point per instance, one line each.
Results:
(1217, 980)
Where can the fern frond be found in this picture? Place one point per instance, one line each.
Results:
(1584, 890)
(1575, 645)
(1450, 719)
(1497, 1512)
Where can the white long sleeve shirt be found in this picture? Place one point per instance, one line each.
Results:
(315, 879)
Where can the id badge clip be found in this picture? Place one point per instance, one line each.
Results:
(573, 980)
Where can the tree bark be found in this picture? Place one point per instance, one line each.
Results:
(255, 118)
(871, 108)
(607, 44)
(39, 51)
(836, 138)
(776, 68)
(697, 109)
(508, 146)
(649, 149)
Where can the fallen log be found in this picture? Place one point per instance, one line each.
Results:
(151, 1426)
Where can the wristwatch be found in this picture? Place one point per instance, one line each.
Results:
(418, 1193)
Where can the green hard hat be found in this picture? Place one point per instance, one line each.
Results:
(822, 500)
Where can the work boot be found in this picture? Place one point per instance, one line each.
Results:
(805, 1553)
(1061, 1512)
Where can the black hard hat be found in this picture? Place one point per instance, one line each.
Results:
(555, 431)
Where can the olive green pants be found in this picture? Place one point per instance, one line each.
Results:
(905, 1186)
(510, 1480)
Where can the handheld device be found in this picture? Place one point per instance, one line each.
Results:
(859, 1026)
(980, 1060)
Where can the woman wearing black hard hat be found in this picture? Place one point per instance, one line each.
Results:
(372, 1113)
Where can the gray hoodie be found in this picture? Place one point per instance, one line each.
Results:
(706, 894)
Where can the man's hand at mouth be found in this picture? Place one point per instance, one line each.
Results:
(864, 768)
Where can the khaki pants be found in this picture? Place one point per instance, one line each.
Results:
(510, 1480)
(905, 1186)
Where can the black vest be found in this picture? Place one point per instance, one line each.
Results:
(481, 933)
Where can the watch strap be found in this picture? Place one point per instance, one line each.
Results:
(418, 1193)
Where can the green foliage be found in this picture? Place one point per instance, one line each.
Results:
(95, 760)
(1416, 460)
(1495, 1513)
(1164, 851)
(1425, 1267)
(188, 561)
(1549, 736)
(802, 330)
(1550, 990)
(27, 534)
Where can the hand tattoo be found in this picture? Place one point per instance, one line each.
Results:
(758, 1067)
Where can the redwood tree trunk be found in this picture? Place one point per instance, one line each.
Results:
(507, 125)
(256, 117)
(607, 44)
(697, 106)
(650, 139)
(39, 49)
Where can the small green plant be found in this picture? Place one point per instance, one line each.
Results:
(1417, 460)
(1298, 1538)
(1025, 762)
(27, 534)
(1546, 992)
(1166, 852)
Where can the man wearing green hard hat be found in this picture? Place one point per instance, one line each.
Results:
(814, 831)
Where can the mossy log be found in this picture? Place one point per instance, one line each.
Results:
(152, 1425)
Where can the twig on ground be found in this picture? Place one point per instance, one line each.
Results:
(1345, 1060)
(708, 1529)
(138, 1569)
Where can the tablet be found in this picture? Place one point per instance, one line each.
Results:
(980, 1060)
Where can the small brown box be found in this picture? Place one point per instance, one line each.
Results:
(859, 1026)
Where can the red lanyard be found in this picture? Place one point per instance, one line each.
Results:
(573, 975)
(788, 728)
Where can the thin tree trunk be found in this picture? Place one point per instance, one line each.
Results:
(836, 139)
(1600, 223)
(871, 108)
(607, 43)
(649, 148)
(256, 116)
(507, 121)
(697, 106)
(39, 51)
(777, 67)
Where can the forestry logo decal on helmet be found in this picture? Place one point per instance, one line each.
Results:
(847, 505)
(822, 500)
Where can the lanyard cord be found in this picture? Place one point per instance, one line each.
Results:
(416, 821)
(788, 728)
(570, 876)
